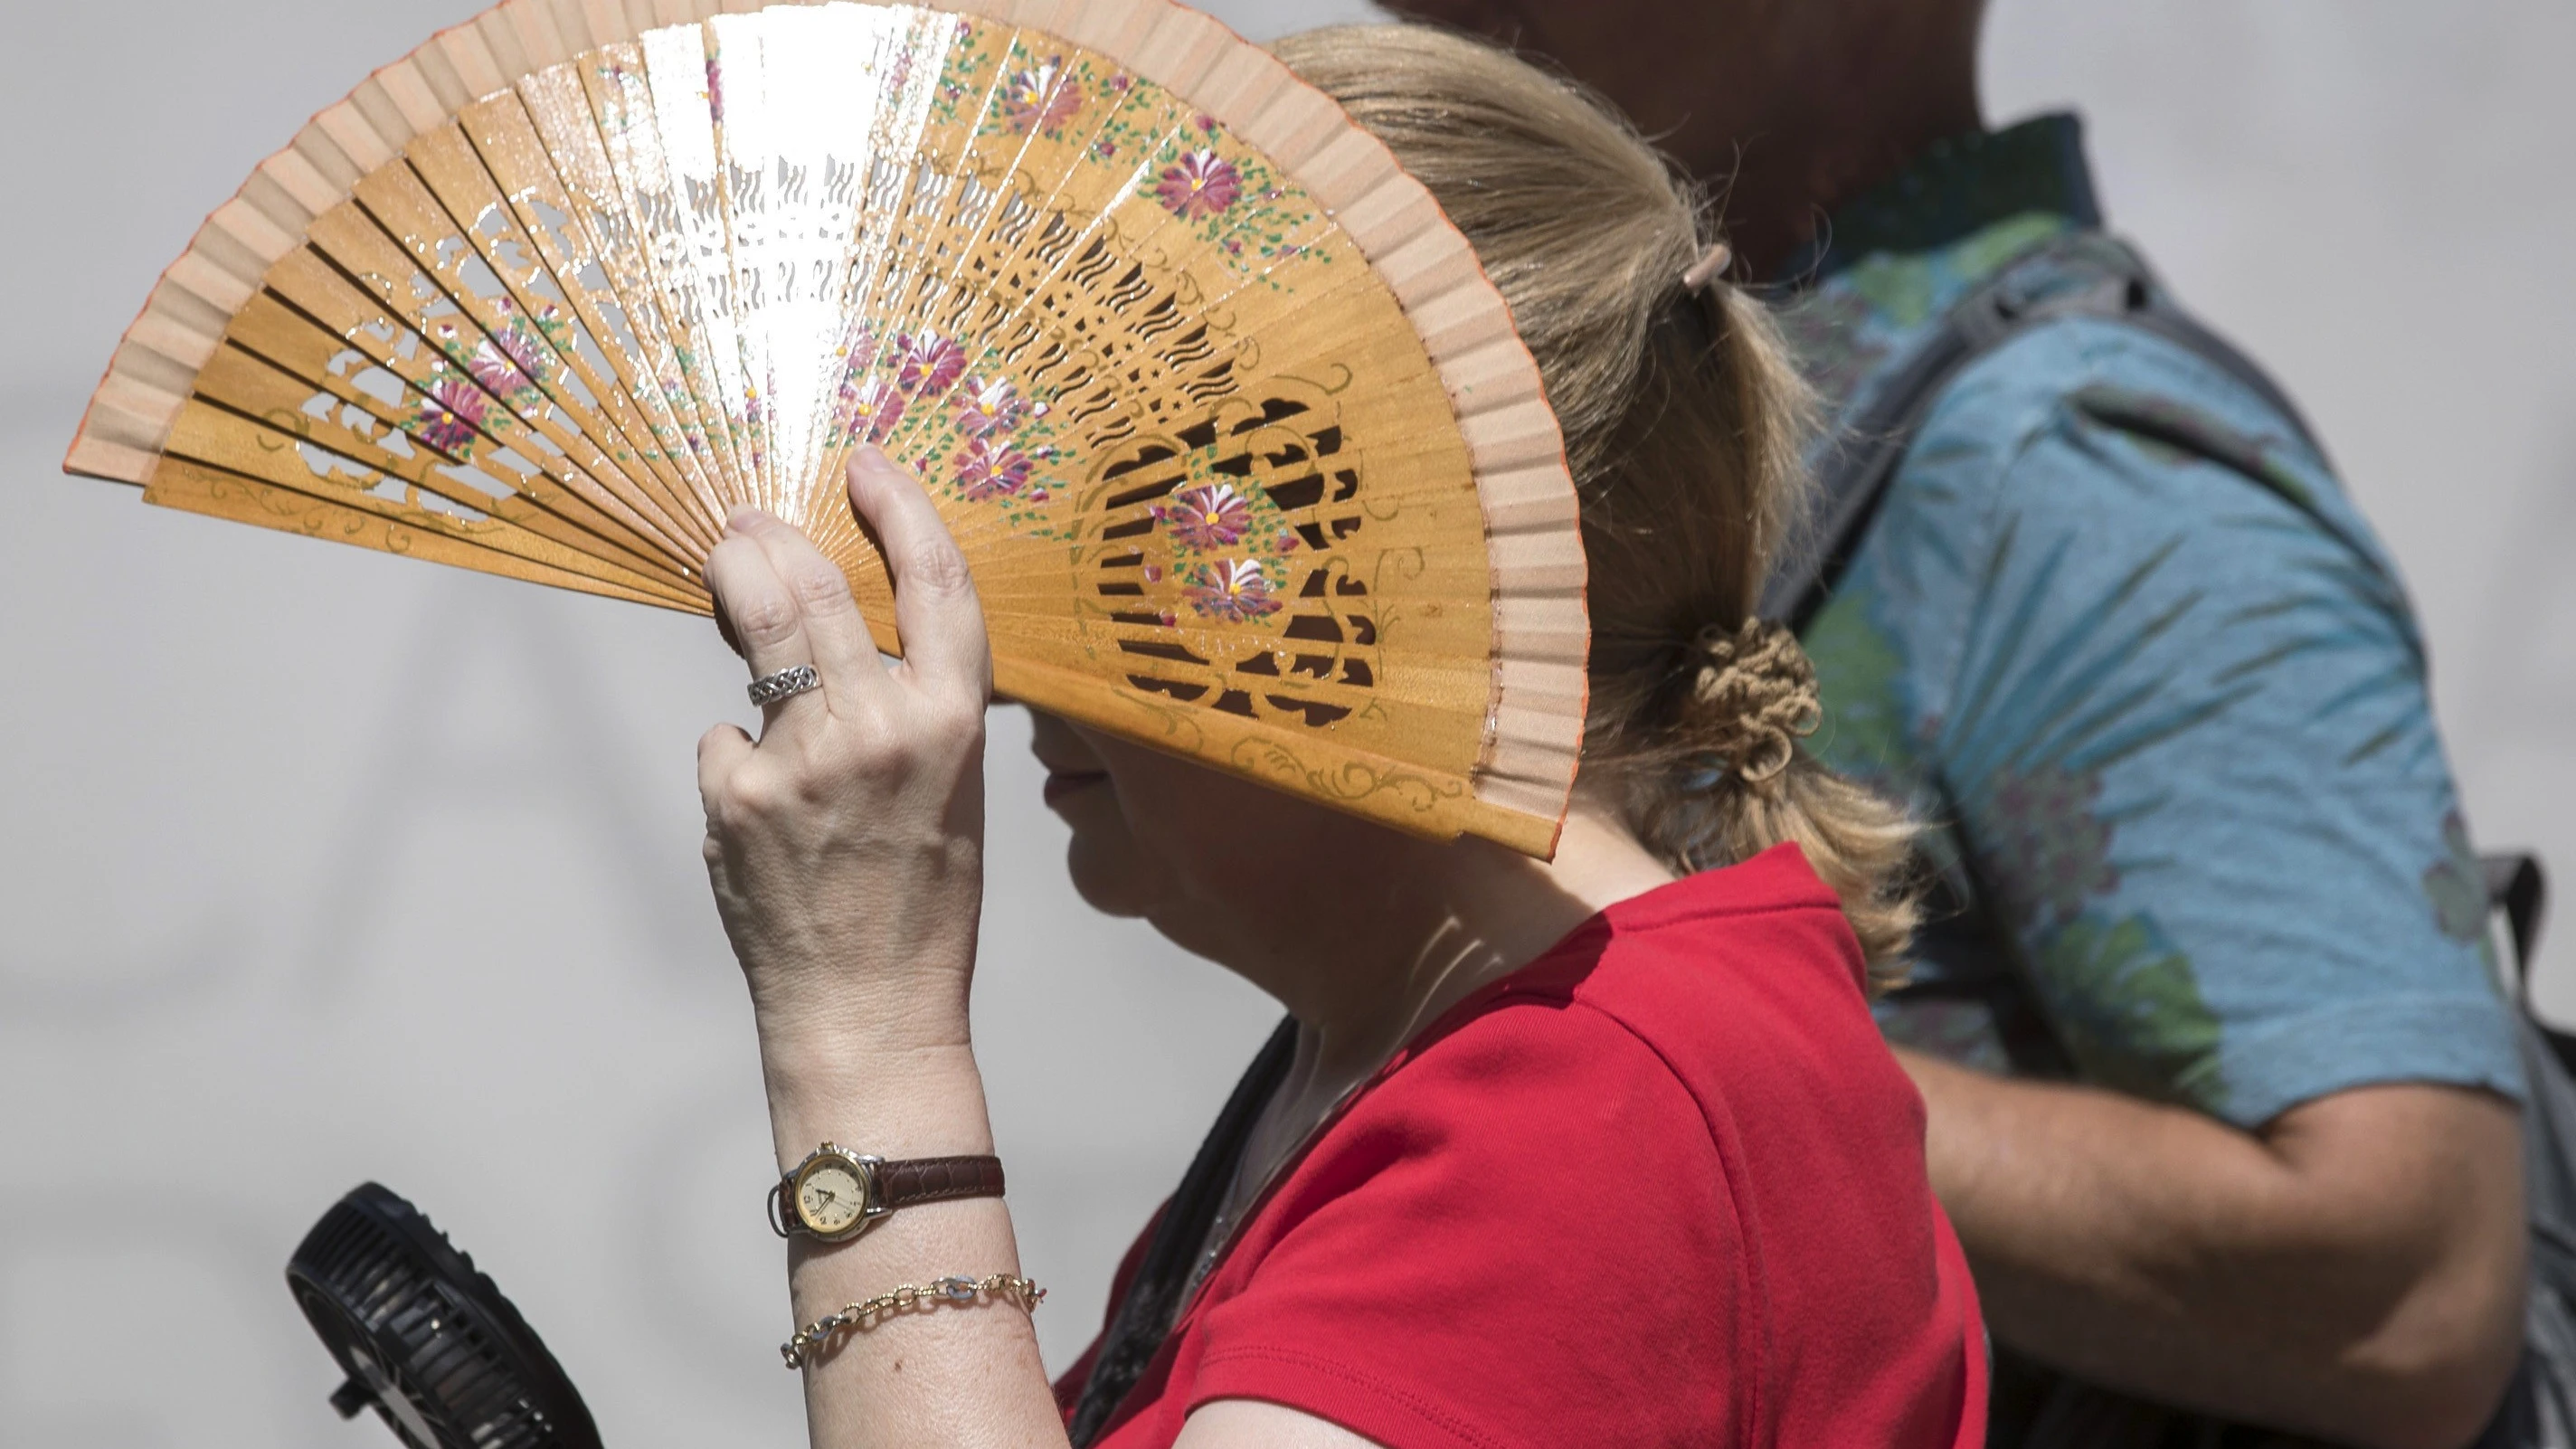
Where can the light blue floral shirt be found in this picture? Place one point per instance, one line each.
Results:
(2119, 632)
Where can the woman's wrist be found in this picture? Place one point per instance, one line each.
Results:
(913, 1101)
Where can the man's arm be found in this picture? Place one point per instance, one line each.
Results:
(2353, 1270)
(2172, 707)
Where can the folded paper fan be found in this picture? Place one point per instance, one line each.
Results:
(1245, 456)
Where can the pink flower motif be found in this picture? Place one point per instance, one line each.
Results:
(449, 412)
(1207, 123)
(1040, 98)
(1201, 184)
(926, 363)
(988, 406)
(1105, 150)
(715, 90)
(1232, 589)
(990, 468)
(861, 353)
(870, 409)
(1121, 81)
(1211, 517)
(508, 362)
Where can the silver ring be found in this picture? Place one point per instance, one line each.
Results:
(769, 689)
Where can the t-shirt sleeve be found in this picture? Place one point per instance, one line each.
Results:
(2187, 739)
(1543, 1193)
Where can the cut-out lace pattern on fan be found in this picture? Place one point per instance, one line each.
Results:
(1212, 484)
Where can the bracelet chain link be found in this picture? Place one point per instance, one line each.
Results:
(909, 1298)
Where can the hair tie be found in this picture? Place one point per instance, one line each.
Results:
(1753, 700)
(1700, 273)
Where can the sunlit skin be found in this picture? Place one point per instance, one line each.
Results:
(845, 848)
(2354, 1270)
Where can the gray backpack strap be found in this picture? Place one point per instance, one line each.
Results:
(2081, 274)
(2087, 274)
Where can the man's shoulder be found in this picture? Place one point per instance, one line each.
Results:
(2075, 376)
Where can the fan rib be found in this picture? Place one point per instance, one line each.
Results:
(1536, 705)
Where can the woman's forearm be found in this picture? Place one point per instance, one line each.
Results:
(945, 1376)
(2353, 1272)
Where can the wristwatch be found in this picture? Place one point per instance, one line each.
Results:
(836, 1194)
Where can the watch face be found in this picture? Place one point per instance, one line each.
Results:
(831, 1196)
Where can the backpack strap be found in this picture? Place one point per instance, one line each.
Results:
(2083, 273)
(2518, 887)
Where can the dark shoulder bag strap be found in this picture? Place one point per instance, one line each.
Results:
(1153, 1301)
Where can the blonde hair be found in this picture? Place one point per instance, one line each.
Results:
(1684, 422)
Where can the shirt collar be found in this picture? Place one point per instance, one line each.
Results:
(1957, 188)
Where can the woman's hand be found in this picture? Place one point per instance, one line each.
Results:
(847, 845)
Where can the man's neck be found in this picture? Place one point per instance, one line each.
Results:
(1777, 192)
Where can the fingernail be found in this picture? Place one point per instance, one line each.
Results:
(743, 519)
(874, 459)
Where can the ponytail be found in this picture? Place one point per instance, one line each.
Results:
(1684, 424)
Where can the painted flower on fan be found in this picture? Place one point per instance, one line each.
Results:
(509, 362)
(715, 91)
(927, 364)
(870, 408)
(860, 352)
(1201, 183)
(1232, 589)
(1040, 98)
(450, 411)
(1210, 517)
(990, 468)
(989, 405)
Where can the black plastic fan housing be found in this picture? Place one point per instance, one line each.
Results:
(424, 1338)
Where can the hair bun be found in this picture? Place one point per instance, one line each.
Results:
(1754, 698)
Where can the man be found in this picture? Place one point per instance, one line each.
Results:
(2220, 1094)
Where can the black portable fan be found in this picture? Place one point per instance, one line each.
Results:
(426, 1339)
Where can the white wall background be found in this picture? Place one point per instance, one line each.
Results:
(316, 866)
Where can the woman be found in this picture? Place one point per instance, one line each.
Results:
(1586, 1152)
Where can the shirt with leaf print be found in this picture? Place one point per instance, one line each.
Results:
(2117, 632)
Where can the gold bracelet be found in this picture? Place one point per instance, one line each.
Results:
(957, 1292)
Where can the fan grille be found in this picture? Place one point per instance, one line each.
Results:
(445, 1358)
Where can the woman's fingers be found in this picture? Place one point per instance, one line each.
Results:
(935, 608)
(756, 606)
(836, 637)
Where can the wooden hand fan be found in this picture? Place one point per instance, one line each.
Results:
(1245, 455)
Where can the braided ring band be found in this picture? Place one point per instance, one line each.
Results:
(769, 689)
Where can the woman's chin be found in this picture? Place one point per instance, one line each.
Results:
(1106, 872)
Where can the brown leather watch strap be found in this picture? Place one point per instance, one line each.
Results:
(938, 1179)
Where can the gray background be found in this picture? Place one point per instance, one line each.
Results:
(320, 866)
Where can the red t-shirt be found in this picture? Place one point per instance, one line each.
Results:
(1662, 1186)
